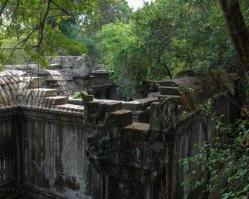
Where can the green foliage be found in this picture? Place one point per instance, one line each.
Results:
(166, 37)
(153, 43)
(122, 55)
(60, 43)
(71, 30)
(19, 56)
(108, 11)
(35, 25)
(226, 161)
(35, 29)
(77, 95)
(55, 94)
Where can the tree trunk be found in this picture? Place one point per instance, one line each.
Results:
(238, 30)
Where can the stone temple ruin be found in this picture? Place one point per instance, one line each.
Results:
(53, 146)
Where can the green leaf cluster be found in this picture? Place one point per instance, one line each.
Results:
(33, 26)
(225, 161)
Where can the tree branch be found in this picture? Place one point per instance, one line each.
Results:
(62, 9)
(238, 30)
(42, 24)
(4, 5)
(24, 40)
(15, 13)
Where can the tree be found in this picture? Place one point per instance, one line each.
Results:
(82, 30)
(34, 23)
(238, 30)
(122, 55)
(108, 11)
(170, 37)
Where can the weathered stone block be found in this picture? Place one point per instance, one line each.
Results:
(168, 83)
(71, 108)
(34, 82)
(120, 118)
(163, 115)
(140, 104)
(169, 90)
(58, 100)
(177, 98)
(110, 106)
(141, 116)
(76, 65)
(56, 66)
(97, 111)
(46, 91)
(154, 120)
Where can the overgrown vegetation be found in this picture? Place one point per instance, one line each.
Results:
(166, 37)
(35, 29)
(153, 43)
(223, 165)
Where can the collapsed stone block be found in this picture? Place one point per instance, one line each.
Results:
(75, 65)
(97, 112)
(120, 118)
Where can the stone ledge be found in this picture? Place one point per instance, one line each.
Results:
(139, 126)
(120, 118)
(71, 108)
(140, 104)
(169, 83)
(46, 91)
(169, 90)
(58, 100)
(52, 110)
